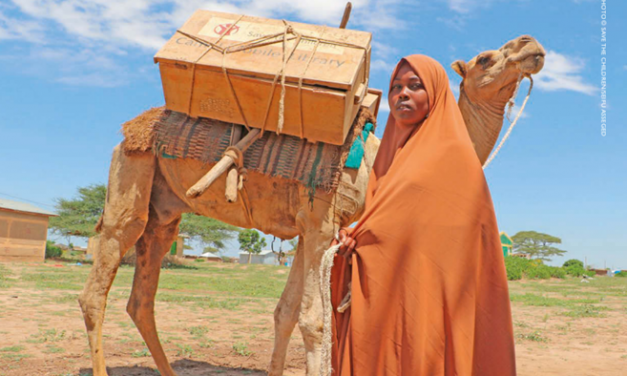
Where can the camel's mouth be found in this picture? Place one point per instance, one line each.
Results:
(530, 63)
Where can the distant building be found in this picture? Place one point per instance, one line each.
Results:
(23, 231)
(507, 244)
(266, 257)
(210, 256)
(178, 247)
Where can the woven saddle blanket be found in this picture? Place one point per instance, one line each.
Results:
(176, 135)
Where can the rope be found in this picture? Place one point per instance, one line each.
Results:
(511, 127)
(246, 205)
(512, 100)
(236, 154)
(327, 308)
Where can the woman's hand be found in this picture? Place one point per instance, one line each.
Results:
(348, 244)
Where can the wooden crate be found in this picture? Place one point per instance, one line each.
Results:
(334, 82)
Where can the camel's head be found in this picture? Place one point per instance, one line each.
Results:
(492, 75)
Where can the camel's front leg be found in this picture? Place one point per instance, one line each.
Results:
(287, 311)
(124, 219)
(318, 233)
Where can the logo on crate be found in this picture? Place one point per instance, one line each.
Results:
(222, 28)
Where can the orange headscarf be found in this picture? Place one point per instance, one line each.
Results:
(429, 288)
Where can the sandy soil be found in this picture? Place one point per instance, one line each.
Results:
(42, 333)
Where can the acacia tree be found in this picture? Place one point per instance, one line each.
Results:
(78, 217)
(250, 241)
(211, 233)
(537, 245)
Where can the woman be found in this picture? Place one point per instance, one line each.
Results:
(424, 264)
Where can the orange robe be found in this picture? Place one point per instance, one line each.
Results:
(429, 288)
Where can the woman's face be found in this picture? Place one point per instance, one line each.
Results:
(408, 99)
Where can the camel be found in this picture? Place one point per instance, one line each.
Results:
(146, 197)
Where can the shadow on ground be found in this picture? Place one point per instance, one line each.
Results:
(184, 367)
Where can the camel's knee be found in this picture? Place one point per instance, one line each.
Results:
(120, 234)
(311, 326)
(92, 307)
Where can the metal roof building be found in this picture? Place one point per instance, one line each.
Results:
(23, 231)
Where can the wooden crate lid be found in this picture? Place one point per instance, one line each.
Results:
(333, 65)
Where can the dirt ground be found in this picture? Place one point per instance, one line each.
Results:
(563, 327)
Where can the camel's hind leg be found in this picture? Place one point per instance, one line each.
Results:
(287, 311)
(160, 232)
(124, 219)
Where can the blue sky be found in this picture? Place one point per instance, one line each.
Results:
(72, 71)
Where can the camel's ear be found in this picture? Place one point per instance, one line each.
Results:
(459, 66)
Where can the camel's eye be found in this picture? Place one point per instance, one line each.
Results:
(483, 60)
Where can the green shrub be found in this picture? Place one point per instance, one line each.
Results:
(538, 271)
(557, 272)
(52, 250)
(199, 260)
(576, 270)
(518, 267)
(515, 267)
(621, 274)
(573, 262)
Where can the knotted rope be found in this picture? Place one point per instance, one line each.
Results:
(511, 127)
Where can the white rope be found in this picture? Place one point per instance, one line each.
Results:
(511, 127)
(326, 265)
(512, 100)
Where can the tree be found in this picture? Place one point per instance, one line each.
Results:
(537, 245)
(78, 217)
(573, 262)
(250, 241)
(211, 233)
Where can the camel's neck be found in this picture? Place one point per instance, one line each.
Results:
(484, 121)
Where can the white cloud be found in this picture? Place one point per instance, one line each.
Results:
(147, 24)
(92, 79)
(384, 106)
(382, 65)
(511, 115)
(562, 72)
(120, 22)
(13, 28)
(456, 22)
(467, 6)
(454, 87)
(382, 49)
(107, 29)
